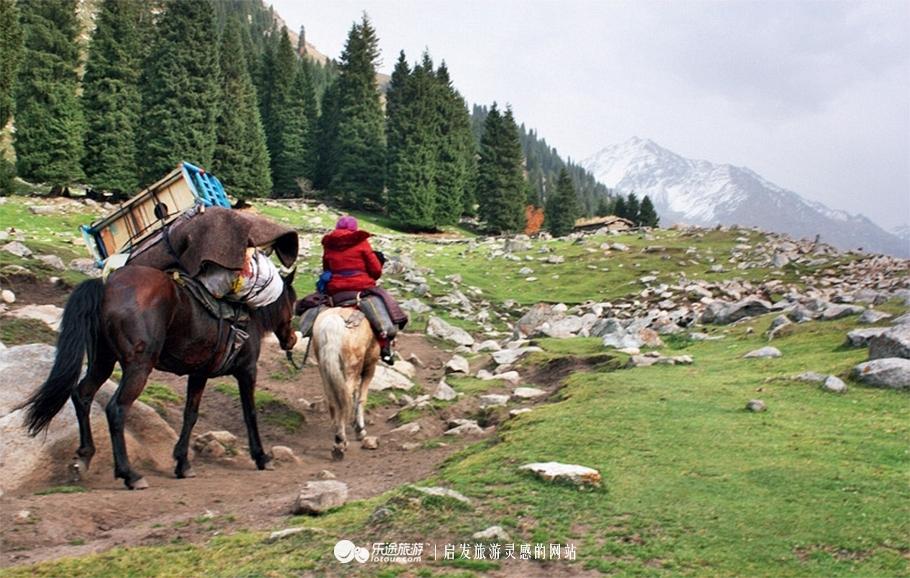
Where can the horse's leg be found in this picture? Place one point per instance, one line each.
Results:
(135, 375)
(82, 398)
(246, 381)
(194, 387)
(360, 396)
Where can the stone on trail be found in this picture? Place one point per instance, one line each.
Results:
(52, 261)
(370, 443)
(458, 364)
(387, 378)
(893, 343)
(512, 377)
(7, 296)
(320, 497)
(891, 372)
(528, 392)
(492, 534)
(50, 315)
(555, 471)
(871, 316)
(510, 356)
(444, 391)
(408, 428)
(763, 353)
(405, 368)
(415, 306)
(444, 493)
(284, 454)
(470, 427)
(840, 311)
(493, 400)
(834, 384)
(436, 327)
(756, 405)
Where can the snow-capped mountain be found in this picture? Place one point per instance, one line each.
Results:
(703, 193)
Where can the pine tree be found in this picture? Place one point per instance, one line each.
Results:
(111, 100)
(455, 151)
(633, 208)
(241, 159)
(49, 122)
(358, 174)
(327, 138)
(500, 182)
(647, 216)
(287, 120)
(562, 207)
(310, 102)
(11, 49)
(604, 207)
(619, 207)
(180, 90)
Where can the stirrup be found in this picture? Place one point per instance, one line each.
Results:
(385, 354)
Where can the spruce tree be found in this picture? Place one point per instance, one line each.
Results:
(632, 208)
(358, 174)
(619, 207)
(647, 216)
(11, 49)
(287, 122)
(310, 103)
(500, 180)
(562, 207)
(604, 207)
(327, 138)
(111, 100)
(241, 158)
(49, 122)
(455, 151)
(180, 90)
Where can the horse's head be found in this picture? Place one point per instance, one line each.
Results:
(284, 325)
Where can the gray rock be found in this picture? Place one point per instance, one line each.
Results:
(465, 429)
(519, 411)
(563, 328)
(834, 384)
(494, 534)
(493, 400)
(892, 343)
(52, 261)
(801, 314)
(756, 406)
(762, 353)
(439, 328)
(18, 249)
(780, 260)
(840, 311)
(284, 454)
(86, 266)
(811, 377)
(320, 497)
(407, 429)
(405, 368)
(871, 316)
(555, 471)
(778, 326)
(444, 392)
(415, 306)
(486, 346)
(281, 534)
(861, 337)
(891, 372)
(7, 296)
(50, 315)
(750, 307)
(510, 356)
(443, 492)
(458, 364)
(370, 443)
(387, 378)
(527, 392)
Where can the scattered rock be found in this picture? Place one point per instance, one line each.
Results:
(415, 306)
(7, 296)
(756, 405)
(892, 343)
(443, 492)
(52, 261)
(279, 534)
(528, 392)
(834, 384)
(405, 368)
(470, 427)
(284, 454)
(494, 534)
(519, 411)
(444, 391)
(510, 356)
(408, 428)
(320, 497)
(18, 249)
(861, 337)
(50, 315)
(439, 328)
(762, 353)
(840, 311)
(871, 316)
(891, 372)
(493, 400)
(370, 443)
(325, 475)
(458, 364)
(811, 377)
(555, 471)
(386, 378)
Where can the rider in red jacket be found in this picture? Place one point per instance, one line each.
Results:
(354, 266)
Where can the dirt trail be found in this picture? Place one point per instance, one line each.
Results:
(224, 497)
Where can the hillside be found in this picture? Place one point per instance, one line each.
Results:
(621, 353)
(703, 193)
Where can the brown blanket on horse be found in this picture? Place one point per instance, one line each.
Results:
(398, 316)
(220, 236)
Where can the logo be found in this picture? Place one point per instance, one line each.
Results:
(345, 551)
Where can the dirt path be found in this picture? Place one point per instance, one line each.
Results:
(225, 496)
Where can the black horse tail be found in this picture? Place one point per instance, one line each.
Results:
(79, 332)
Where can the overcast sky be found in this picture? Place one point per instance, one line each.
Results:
(814, 96)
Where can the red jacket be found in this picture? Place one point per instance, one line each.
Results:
(350, 258)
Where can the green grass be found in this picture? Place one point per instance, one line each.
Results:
(269, 408)
(14, 331)
(159, 396)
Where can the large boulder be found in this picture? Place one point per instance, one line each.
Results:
(891, 372)
(439, 328)
(861, 337)
(726, 313)
(536, 316)
(892, 343)
(46, 458)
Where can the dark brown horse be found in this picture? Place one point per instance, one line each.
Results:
(144, 320)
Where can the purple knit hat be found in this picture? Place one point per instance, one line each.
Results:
(347, 222)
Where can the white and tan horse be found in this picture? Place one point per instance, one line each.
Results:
(347, 352)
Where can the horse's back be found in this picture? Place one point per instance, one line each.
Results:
(341, 323)
(138, 287)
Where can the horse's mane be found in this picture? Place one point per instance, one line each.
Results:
(269, 316)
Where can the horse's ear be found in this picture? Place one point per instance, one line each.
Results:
(288, 275)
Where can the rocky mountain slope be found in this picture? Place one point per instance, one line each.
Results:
(703, 193)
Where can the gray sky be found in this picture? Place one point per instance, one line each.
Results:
(814, 96)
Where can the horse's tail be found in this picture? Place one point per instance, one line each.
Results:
(330, 336)
(79, 332)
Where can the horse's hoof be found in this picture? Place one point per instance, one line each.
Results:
(187, 473)
(139, 484)
(360, 434)
(337, 454)
(77, 468)
(268, 466)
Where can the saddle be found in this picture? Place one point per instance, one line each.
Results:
(235, 315)
(368, 306)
